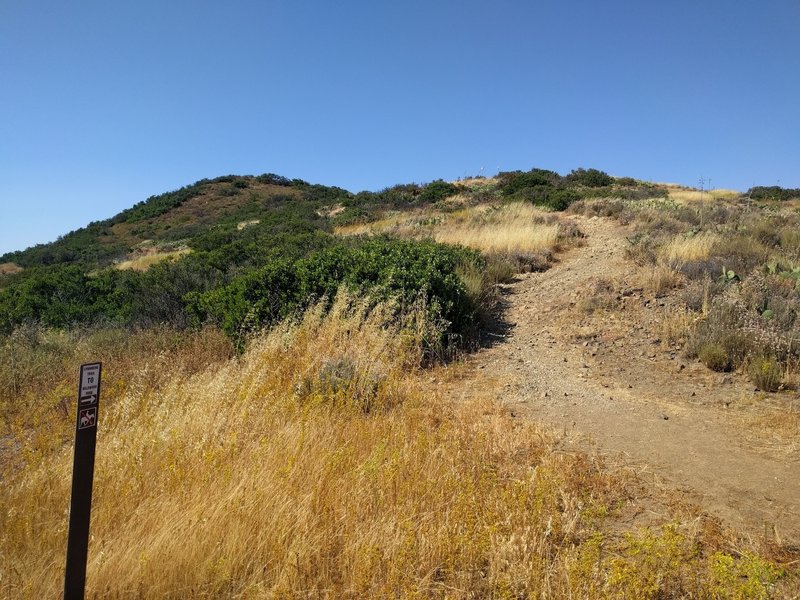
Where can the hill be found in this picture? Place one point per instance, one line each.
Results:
(175, 218)
(532, 385)
(140, 266)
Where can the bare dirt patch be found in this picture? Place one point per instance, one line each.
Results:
(582, 353)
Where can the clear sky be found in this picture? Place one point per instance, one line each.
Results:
(103, 104)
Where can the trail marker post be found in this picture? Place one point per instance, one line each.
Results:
(80, 507)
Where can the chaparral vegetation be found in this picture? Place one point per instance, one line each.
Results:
(272, 424)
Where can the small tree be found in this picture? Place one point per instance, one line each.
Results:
(589, 178)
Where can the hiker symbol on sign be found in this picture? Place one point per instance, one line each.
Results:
(87, 418)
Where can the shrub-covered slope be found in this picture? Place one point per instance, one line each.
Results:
(214, 232)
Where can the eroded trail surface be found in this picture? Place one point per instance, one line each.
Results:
(602, 380)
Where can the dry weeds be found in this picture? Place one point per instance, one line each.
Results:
(675, 326)
(690, 196)
(9, 268)
(515, 228)
(243, 224)
(501, 237)
(660, 280)
(774, 428)
(322, 464)
(144, 262)
(682, 249)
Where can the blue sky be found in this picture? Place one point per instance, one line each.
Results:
(103, 104)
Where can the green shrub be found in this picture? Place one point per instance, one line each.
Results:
(514, 183)
(272, 179)
(382, 269)
(773, 192)
(438, 190)
(352, 215)
(262, 297)
(59, 296)
(397, 197)
(720, 341)
(155, 206)
(747, 577)
(589, 178)
(715, 356)
(766, 373)
(552, 198)
(539, 187)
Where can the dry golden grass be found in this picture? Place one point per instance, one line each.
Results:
(660, 279)
(682, 249)
(242, 224)
(37, 377)
(775, 428)
(690, 196)
(675, 326)
(476, 181)
(144, 262)
(9, 268)
(501, 237)
(518, 227)
(322, 464)
(387, 224)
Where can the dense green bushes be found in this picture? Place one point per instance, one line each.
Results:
(553, 198)
(245, 283)
(64, 295)
(514, 183)
(589, 178)
(155, 206)
(56, 296)
(773, 192)
(382, 268)
(367, 206)
(551, 190)
(438, 190)
(92, 244)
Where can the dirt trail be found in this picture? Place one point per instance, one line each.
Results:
(603, 380)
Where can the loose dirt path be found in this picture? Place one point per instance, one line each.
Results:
(603, 380)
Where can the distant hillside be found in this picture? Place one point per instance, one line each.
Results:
(176, 217)
(238, 244)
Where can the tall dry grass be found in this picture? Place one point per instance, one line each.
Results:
(322, 464)
(515, 228)
(692, 196)
(9, 268)
(145, 261)
(659, 280)
(512, 229)
(37, 377)
(682, 249)
(388, 223)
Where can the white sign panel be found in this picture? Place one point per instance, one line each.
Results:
(90, 383)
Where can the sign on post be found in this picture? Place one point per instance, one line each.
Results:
(82, 478)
